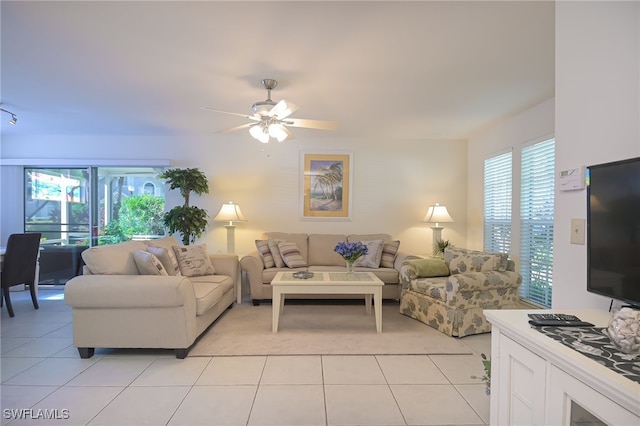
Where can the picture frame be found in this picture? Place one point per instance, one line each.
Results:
(326, 185)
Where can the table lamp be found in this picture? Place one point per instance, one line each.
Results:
(437, 214)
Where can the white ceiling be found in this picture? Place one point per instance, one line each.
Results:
(419, 70)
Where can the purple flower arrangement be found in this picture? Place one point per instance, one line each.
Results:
(351, 251)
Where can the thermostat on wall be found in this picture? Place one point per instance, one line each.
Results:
(572, 179)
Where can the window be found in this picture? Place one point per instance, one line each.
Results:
(78, 207)
(536, 221)
(521, 224)
(497, 203)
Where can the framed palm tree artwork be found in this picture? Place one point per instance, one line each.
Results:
(326, 185)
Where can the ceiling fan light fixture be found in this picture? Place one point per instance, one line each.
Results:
(276, 130)
(263, 108)
(270, 119)
(260, 132)
(264, 137)
(255, 131)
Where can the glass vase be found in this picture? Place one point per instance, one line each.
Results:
(350, 267)
(624, 331)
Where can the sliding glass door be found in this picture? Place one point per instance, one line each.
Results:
(130, 204)
(57, 205)
(76, 208)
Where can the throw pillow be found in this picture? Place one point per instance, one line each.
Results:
(275, 252)
(194, 260)
(461, 260)
(265, 253)
(389, 251)
(147, 263)
(291, 254)
(373, 256)
(167, 257)
(427, 268)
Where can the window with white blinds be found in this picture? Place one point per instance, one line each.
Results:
(536, 221)
(497, 203)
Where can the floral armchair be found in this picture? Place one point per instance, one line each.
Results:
(450, 294)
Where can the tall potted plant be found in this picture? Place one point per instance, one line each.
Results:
(189, 221)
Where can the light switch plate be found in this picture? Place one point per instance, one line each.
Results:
(577, 231)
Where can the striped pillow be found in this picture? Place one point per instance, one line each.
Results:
(291, 254)
(275, 252)
(265, 253)
(147, 263)
(167, 257)
(389, 251)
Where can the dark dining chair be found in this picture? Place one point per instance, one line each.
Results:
(19, 266)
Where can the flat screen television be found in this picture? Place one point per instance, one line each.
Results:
(613, 230)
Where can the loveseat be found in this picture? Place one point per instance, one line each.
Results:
(315, 252)
(149, 294)
(450, 294)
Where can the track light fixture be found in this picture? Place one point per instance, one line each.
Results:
(14, 119)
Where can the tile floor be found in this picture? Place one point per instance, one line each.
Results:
(43, 377)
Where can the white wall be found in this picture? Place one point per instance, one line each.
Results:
(11, 201)
(394, 181)
(533, 125)
(597, 118)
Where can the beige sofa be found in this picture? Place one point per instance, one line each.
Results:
(317, 251)
(114, 306)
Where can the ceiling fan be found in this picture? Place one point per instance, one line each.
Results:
(270, 119)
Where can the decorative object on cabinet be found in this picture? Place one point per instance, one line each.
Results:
(624, 330)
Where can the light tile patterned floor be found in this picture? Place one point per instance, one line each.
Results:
(41, 372)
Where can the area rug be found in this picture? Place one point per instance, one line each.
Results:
(319, 329)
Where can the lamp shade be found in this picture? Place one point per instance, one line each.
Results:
(230, 212)
(437, 214)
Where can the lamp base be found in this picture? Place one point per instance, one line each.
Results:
(437, 236)
(231, 238)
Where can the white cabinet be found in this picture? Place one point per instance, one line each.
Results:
(536, 380)
(521, 383)
(565, 391)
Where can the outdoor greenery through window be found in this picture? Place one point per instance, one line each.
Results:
(536, 221)
(75, 208)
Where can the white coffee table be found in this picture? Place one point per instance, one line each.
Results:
(365, 283)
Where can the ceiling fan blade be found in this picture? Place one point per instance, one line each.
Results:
(311, 124)
(283, 109)
(250, 117)
(236, 128)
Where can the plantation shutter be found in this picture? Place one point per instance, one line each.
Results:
(536, 221)
(497, 203)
